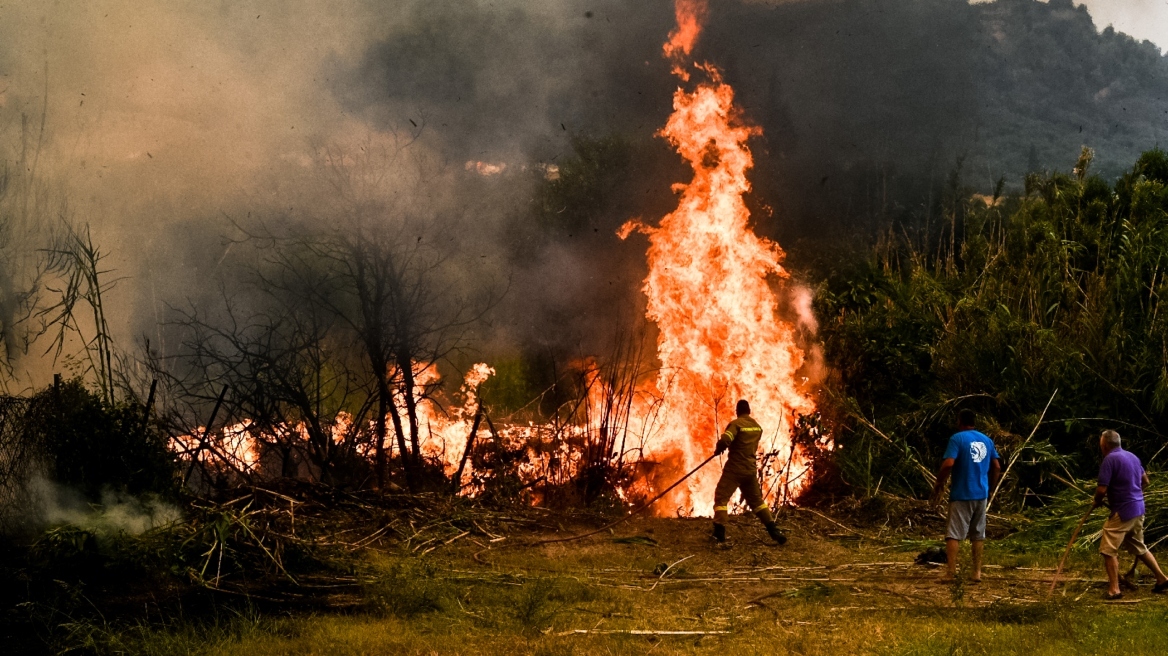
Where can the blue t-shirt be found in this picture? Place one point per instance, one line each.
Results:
(972, 452)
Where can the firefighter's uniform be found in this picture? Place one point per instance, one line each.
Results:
(741, 472)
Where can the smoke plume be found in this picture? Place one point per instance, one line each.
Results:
(166, 124)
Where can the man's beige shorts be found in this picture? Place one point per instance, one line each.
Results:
(1117, 533)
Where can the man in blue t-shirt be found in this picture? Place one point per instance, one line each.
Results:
(973, 461)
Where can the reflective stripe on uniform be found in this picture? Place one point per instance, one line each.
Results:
(717, 508)
(727, 434)
(761, 507)
(750, 429)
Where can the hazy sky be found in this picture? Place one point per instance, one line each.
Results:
(186, 96)
(1143, 19)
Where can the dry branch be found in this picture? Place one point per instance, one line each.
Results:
(651, 632)
(1018, 452)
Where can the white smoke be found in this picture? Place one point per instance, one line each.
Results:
(802, 298)
(51, 504)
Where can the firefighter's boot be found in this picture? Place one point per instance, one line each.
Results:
(768, 520)
(719, 532)
(775, 533)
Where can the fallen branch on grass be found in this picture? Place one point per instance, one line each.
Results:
(652, 632)
(757, 601)
(846, 528)
(667, 571)
(446, 542)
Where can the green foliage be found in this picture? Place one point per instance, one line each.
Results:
(539, 601)
(93, 446)
(408, 589)
(1050, 525)
(1058, 289)
(812, 591)
(512, 387)
(582, 190)
(67, 549)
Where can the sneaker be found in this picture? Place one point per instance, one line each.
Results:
(1160, 588)
(719, 533)
(776, 534)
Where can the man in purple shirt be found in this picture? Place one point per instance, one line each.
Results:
(1122, 480)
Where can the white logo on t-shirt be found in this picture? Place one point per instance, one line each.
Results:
(977, 451)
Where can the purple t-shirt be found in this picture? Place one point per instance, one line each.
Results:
(1123, 475)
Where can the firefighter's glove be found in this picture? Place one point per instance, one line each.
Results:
(721, 448)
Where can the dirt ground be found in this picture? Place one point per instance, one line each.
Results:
(661, 585)
(663, 554)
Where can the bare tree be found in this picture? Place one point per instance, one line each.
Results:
(74, 264)
(26, 203)
(293, 383)
(365, 291)
(381, 281)
(382, 267)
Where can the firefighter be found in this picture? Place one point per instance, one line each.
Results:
(741, 473)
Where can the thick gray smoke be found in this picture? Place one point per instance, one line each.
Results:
(165, 123)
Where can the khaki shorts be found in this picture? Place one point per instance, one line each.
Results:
(1118, 533)
(967, 519)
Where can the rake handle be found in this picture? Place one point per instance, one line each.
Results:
(635, 512)
(1067, 551)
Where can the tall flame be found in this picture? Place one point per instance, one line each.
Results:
(720, 336)
(709, 292)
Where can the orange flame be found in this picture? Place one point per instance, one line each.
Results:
(446, 433)
(691, 14)
(709, 292)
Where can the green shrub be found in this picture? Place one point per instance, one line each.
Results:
(408, 589)
(92, 446)
(539, 601)
(994, 307)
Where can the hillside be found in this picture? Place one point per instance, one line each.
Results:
(868, 106)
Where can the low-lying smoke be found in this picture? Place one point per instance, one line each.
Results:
(51, 504)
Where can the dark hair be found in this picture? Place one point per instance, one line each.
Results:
(743, 408)
(966, 418)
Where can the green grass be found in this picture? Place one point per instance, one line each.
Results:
(818, 595)
(796, 626)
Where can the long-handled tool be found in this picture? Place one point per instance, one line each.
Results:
(632, 514)
(1067, 552)
(610, 524)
